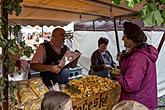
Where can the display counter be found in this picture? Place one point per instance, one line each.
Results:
(98, 94)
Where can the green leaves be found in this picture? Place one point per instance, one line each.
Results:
(16, 29)
(150, 15)
(2, 87)
(13, 86)
(163, 15)
(13, 6)
(153, 12)
(18, 10)
(2, 41)
(153, 18)
(27, 51)
(157, 17)
(117, 2)
(162, 1)
(9, 45)
(13, 50)
(131, 3)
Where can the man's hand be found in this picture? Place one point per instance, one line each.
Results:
(55, 69)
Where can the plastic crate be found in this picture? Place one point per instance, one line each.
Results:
(75, 71)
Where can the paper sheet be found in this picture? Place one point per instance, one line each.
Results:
(69, 57)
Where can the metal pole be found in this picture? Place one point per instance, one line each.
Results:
(117, 40)
(93, 25)
(42, 31)
(161, 42)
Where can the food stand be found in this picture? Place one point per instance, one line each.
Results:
(98, 94)
(27, 94)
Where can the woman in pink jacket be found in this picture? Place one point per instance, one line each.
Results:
(138, 68)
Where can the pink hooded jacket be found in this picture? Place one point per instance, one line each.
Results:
(138, 76)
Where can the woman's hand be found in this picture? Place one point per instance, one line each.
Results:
(115, 73)
(108, 67)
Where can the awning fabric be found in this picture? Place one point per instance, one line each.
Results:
(60, 12)
(108, 25)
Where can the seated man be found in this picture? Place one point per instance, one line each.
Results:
(47, 58)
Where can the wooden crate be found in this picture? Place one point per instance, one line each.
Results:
(100, 101)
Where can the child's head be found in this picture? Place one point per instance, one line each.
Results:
(55, 100)
(129, 105)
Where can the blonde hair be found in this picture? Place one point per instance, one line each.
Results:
(129, 105)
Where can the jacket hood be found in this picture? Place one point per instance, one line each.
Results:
(150, 51)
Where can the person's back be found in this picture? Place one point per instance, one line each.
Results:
(55, 100)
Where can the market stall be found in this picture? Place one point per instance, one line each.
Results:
(87, 93)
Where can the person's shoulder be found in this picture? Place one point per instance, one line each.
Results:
(96, 52)
(137, 56)
(44, 44)
(107, 51)
(135, 52)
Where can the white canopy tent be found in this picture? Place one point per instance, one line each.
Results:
(62, 12)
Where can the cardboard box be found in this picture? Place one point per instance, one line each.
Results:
(100, 101)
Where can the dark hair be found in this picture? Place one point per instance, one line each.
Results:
(56, 29)
(134, 32)
(54, 100)
(103, 40)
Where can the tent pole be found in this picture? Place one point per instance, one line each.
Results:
(93, 25)
(161, 42)
(42, 31)
(116, 34)
(117, 39)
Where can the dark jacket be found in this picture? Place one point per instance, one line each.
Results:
(97, 62)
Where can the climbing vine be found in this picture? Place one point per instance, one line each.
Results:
(11, 49)
(153, 12)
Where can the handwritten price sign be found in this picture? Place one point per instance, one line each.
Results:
(100, 101)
